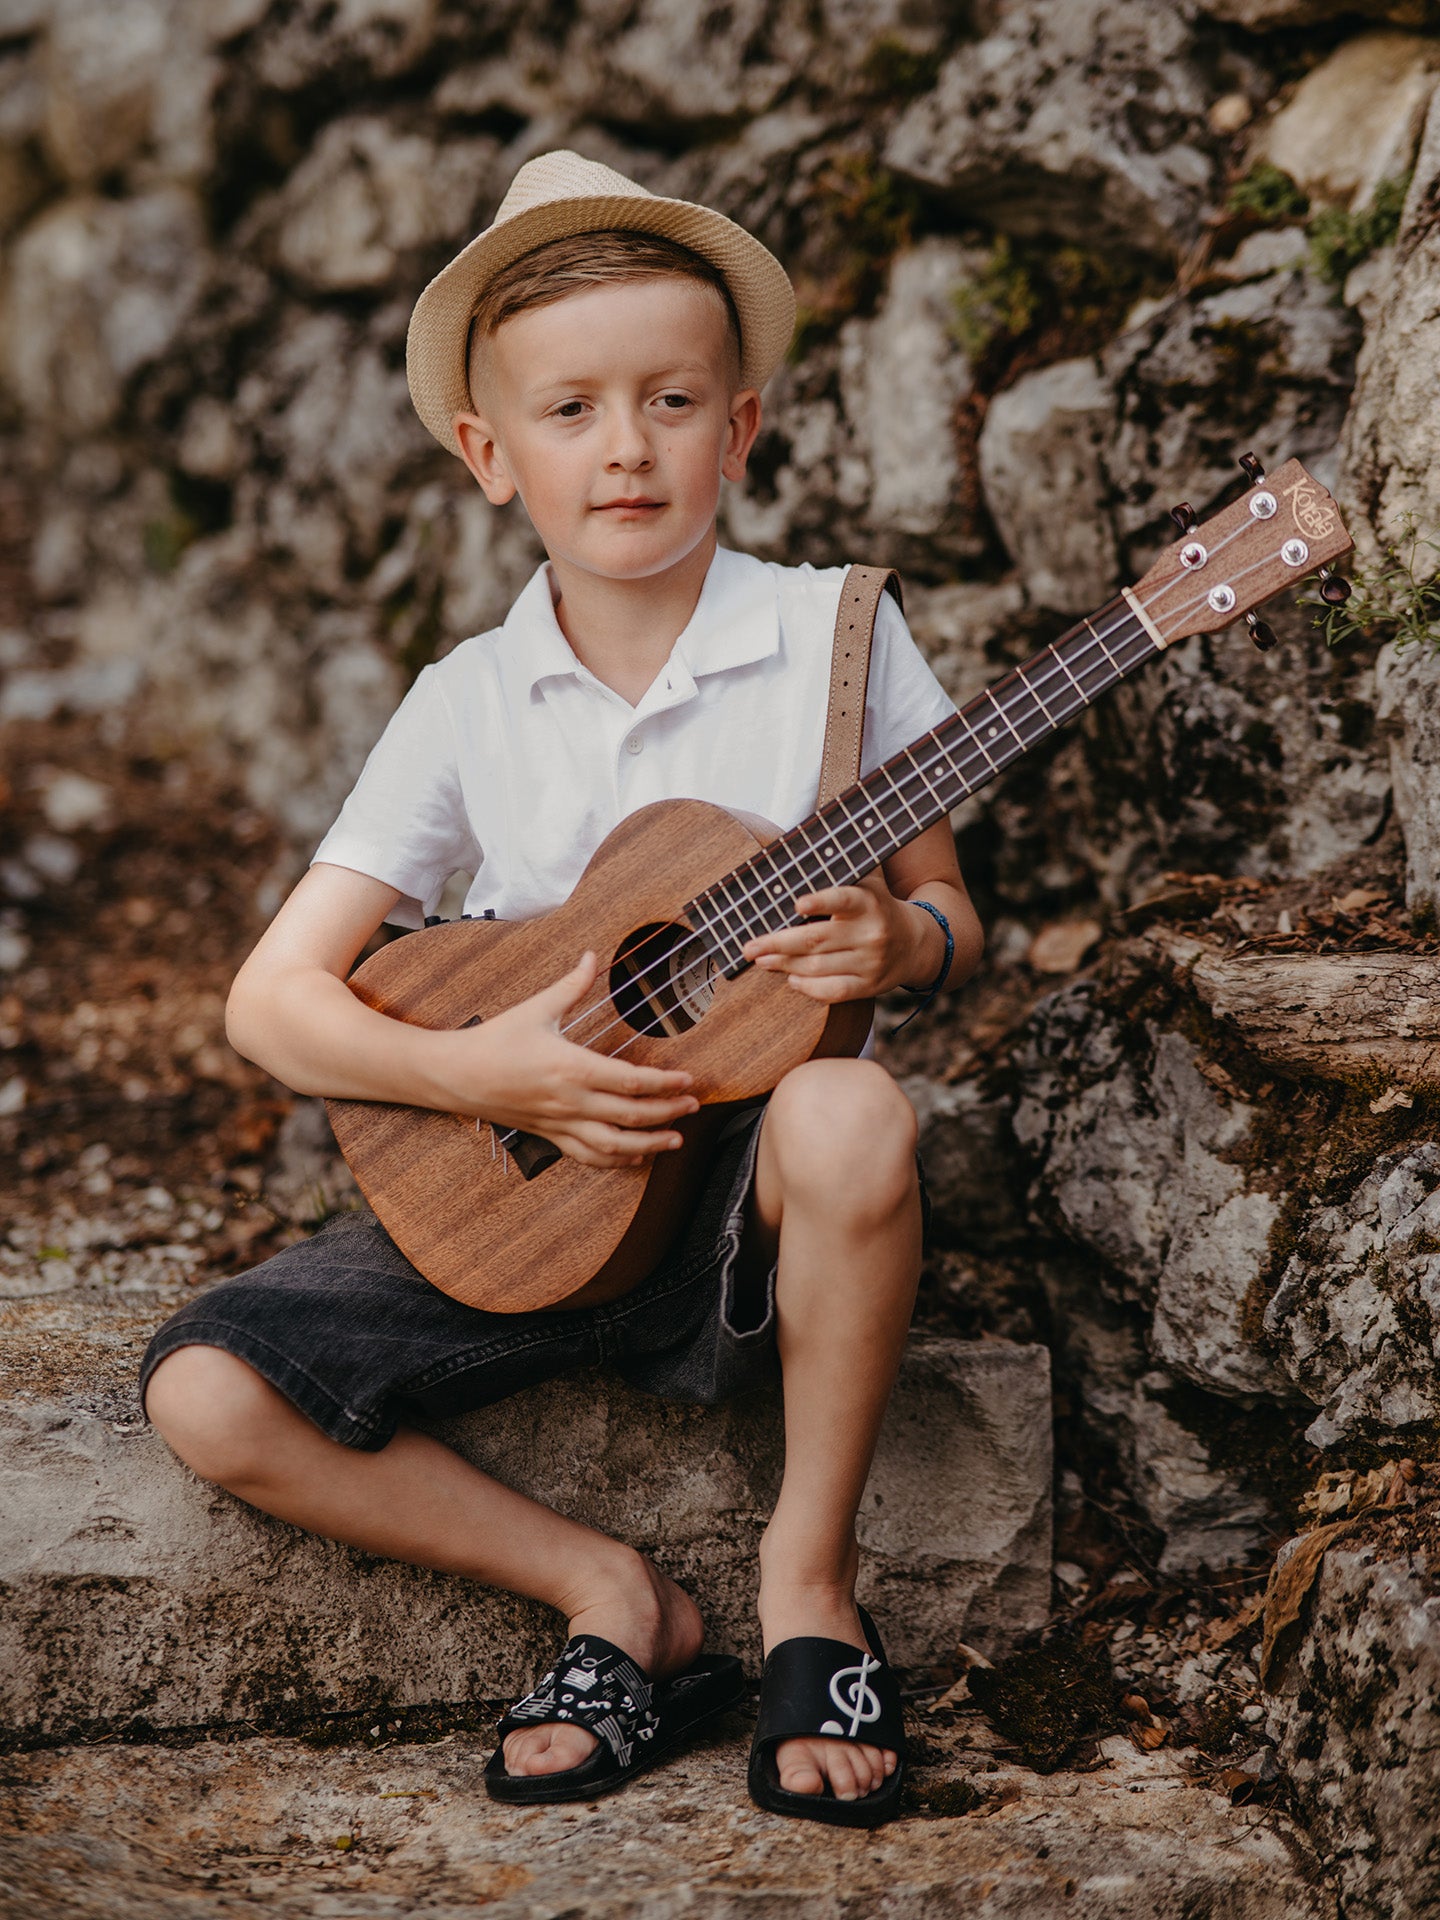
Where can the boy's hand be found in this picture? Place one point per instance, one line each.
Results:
(861, 942)
(518, 1070)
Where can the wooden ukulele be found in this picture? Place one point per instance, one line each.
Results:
(500, 1219)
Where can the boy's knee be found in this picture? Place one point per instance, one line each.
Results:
(214, 1411)
(844, 1128)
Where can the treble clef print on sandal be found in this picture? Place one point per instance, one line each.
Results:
(859, 1700)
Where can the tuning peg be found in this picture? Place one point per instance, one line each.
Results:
(1260, 633)
(1334, 587)
(1251, 468)
(1184, 516)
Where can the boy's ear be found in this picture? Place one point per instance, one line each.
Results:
(740, 437)
(481, 451)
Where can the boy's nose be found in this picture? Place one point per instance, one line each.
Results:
(629, 444)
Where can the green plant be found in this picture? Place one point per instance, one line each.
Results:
(891, 70)
(1339, 240)
(867, 215)
(1269, 195)
(1060, 298)
(164, 540)
(1389, 601)
(1002, 302)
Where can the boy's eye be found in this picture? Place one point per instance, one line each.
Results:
(570, 409)
(675, 401)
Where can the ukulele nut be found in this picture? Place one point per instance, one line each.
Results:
(1263, 505)
(1294, 553)
(1192, 554)
(1222, 599)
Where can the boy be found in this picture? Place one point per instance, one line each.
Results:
(598, 352)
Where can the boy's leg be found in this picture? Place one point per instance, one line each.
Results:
(836, 1195)
(417, 1500)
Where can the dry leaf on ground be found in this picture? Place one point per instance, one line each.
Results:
(1063, 945)
(1286, 1593)
(1393, 1097)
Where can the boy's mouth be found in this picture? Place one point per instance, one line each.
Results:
(638, 505)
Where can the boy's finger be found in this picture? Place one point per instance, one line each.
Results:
(639, 1113)
(811, 939)
(632, 1081)
(829, 987)
(830, 900)
(838, 960)
(562, 994)
(622, 1145)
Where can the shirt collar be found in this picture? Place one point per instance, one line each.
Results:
(736, 622)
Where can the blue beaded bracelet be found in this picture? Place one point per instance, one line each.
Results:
(926, 994)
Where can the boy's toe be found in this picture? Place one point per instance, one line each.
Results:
(797, 1767)
(548, 1748)
(849, 1772)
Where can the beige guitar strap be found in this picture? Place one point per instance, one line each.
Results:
(850, 674)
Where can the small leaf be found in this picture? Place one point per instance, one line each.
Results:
(1062, 946)
(1393, 1097)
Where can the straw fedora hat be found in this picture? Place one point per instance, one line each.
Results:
(561, 193)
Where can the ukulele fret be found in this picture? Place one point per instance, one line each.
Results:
(911, 754)
(1039, 700)
(1100, 642)
(899, 786)
(990, 761)
(998, 706)
(725, 908)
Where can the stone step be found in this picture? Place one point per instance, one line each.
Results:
(151, 1833)
(134, 1596)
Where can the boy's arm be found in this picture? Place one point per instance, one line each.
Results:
(870, 939)
(291, 1012)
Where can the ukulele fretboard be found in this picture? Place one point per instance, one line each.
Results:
(865, 825)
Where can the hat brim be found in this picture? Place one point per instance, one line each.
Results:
(435, 348)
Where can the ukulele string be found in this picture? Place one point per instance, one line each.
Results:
(941, 759)
(719, 934)
(963, 759)
(918, 770)
(973, 759)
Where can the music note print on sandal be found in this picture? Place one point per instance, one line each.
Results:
(805, 1684)
(636, 1722)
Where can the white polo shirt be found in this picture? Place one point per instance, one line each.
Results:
(509, 760)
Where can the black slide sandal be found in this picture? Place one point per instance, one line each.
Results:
(637, 1722)
(826, 1689)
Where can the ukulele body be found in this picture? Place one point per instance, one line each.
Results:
(502, 1229)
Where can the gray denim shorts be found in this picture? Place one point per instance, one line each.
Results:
(357, 1339)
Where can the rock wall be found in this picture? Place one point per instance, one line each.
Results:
(1059, 262)
(237, 540)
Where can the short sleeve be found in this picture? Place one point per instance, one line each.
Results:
(903, 699)
(405, 821)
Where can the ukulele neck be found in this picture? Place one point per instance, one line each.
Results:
(872, 820)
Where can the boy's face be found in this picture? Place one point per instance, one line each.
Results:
(613, 413)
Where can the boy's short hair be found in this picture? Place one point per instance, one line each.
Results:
(577, 261)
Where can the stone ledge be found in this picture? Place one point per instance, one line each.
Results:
(131, 1592)
(250, 1829)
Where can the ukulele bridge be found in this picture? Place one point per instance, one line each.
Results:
(663, 979)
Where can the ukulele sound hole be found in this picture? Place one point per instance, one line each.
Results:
(662, 980)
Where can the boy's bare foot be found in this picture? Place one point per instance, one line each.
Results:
(809, 1766)
(639, 1609)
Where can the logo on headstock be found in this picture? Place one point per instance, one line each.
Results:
(1315, 512)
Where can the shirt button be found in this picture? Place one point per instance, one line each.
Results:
(634, 744)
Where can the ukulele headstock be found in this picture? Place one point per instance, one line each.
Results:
(1282, 528)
